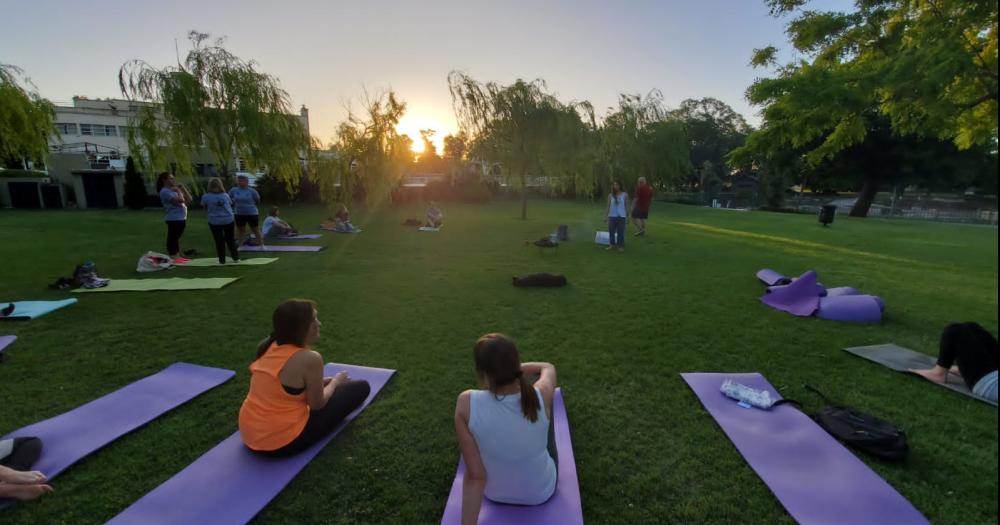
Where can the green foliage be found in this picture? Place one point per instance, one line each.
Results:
(135, 189)
(26, 119)
(714, 129)
(216, 99)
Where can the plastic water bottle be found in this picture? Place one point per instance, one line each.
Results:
(747, 396)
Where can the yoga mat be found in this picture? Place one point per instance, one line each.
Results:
(798, 298)
(170, 283)
(24, 310)
(903, 359)
(299, 237)
(563, 507)
(603, 238)
(772, 278)
(334, 230)
(71, 436)
(851, 308)
(211, 262)
(230, 484)
(429, 229)
(5, 341)
(280, 248)
(816, 479)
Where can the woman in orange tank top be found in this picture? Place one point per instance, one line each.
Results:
(291, 405)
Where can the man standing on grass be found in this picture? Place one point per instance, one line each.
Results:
(640, 205)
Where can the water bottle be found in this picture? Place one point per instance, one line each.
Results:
(747, 396)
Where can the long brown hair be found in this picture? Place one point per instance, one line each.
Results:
(498, 364)
(290, 324)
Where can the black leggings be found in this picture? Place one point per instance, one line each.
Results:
(971, 347)
(344, 400)
(174, 231)
(224, 235)
(24, 454)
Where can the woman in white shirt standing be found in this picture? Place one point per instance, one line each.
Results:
(504, 430)
(617, 216)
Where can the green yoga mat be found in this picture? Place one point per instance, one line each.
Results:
(209, 262)
(172, 283)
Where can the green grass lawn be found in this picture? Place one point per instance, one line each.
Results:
(682, 299)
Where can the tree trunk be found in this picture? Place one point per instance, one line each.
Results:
(868, 190)
(524, 196)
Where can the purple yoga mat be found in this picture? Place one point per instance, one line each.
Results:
(771, 277)
(6, 340)
(69, 437)
(799, 298)
(230, 484)
(852, 308)
(280, 248)
(842, 290)
(816, 479)
(563, 507)
(299, 237)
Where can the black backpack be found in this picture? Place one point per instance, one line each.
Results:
(862, 431)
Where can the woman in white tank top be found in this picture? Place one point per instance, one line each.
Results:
(504, 430)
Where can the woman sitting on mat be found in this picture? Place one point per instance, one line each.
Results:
(342, 219)
(174, 198)
(219, 206)
(17, 455)
(974, 351)
(275, 227)
(435, 217)
(504, 430)
(291, 405)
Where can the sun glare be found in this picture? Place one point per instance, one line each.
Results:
(411, 125)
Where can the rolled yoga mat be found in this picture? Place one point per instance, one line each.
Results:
(772, 278)
(851, 308)
(229, 484)
(69, 437)
(564, 507)
(815, 478)
(170, 283)
(211, 262)
(903, 359)
(799, 298)
(24, 310)
(280, 248)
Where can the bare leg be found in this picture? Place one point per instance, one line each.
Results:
(260, 236)
(240, 230)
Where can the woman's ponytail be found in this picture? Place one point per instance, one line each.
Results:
(264, 345)
(529, 400)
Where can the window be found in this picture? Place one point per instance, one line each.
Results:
(66, 128)
(86, 130)
(98, 130)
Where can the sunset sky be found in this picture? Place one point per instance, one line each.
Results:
(327, 52)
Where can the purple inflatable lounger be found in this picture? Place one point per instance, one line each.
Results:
(799, 298)
(69, 437)
(563, 508)
(815, 478)
(229, 484)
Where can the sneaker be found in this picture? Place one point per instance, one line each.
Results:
(181, 260)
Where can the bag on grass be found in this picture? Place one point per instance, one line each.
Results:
(862, 431)
(153, 262)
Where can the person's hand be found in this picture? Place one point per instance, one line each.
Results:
(340, 378)
(326, 380)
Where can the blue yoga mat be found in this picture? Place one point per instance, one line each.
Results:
(816, 479)
(31, 309)
(229, 484)
(68, 438)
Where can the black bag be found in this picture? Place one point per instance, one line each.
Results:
(862, 431)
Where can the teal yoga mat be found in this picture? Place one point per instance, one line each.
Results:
(210, 262)
(171, 283)
(24, 310)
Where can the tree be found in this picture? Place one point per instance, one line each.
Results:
(216, 99)
(927, 67)
(135, 188)
(26, 119)
(714, 129)
(521, 125)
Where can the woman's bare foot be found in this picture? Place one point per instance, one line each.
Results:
(23, 492)
(938, 374)
(19, 477)
(954, 370)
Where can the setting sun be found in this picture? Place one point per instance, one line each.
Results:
(411, 125)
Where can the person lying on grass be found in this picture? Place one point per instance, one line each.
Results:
(17, 455)
(275, 227)
(435, 217)
(504, 431)
(974, 351)
(291, 405)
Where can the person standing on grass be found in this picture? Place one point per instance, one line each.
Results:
(246, 200)
(640, 205)
(617, 216)
(291, 405)
(974, 352)
(174, 197)
(505, 430)
(219, 206)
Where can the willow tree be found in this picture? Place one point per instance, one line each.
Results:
(927, 67)
(370, 155)
(523, 126)
(26, 119)
(216, 100)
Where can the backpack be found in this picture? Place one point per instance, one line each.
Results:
(862, 431)
(152, 262)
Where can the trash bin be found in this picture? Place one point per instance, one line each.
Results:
(562, 233)
(826, 214)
